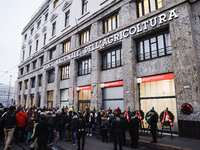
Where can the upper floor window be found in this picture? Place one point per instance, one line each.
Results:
(30, 47)
(41, 60)
(34, 64)
(20, 86)
(38, 24)
(21, 71)
(65, 72)
(84, 67)
(67, 14)
(66, 46)
(111, 23)
(85, 37)
(153, 47)
(52, 54)
(32, 31)
(27, 68)
(112, 59)
(36, 45)
(33, 82)
(51, 76)
(26, 84)
(84, 6)
(23, 55)
(46, 17)
(53, 28)
(45, 38)
(55, 3)
(147, 6)
(40, 80)
(25, 37)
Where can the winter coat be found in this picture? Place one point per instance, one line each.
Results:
(153, 123)
(117, 126)
(74, 123)
(134, 127)
(21, 119)
(90, 120)
(9, 120)
(104, 124)
(41, 132)
(81, 125)
(52, 123)
(30, 124)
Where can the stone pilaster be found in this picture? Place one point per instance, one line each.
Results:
(56, 94)
(36, 91)
(44, 90)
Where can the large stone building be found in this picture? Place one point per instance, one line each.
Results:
(114, 53)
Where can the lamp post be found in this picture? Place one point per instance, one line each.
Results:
(9, 90)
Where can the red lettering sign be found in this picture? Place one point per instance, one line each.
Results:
(84, 88)
(157, 78)
(112, 84)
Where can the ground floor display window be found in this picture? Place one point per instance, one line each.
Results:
(25, 101)
(32, 99)
(113, 95)
(158, 92)
(64, 98)
(84, 98)
(50, 99)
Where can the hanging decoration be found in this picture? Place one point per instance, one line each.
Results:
(166, 114)
(139, 113)
(147, 116)
(126, 115)
(186, 109)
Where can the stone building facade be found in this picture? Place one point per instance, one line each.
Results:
(114, 53)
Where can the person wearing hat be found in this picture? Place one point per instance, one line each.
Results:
(134, 130)
(9, 121)
(153, 126)
(81, 131)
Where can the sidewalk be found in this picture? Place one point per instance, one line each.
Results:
(178, 143)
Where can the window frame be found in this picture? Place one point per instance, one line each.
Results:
(87, 64)
(33, 82)
(34, 64)
(32, 30)
(38, 24)
(105, 23)
(67, 16)
(40, 80)
(55, 3)
(66, 46)
(54, 28)
(52, 54)
(167, 49)
(51, 79)
(36, 45)
(84, 6)
(85, 36)
(65, 74)
(28, 68)
(30, 48)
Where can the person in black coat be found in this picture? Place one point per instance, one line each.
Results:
(134, 130)
(153, 125)
(81, 131)
(117, 125)
(74, 127)
(41, 133)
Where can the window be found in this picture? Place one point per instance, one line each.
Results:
(41, 60)
(26, 84)
(66, 46)
(84, 6)
(154, 47)
(38, 24)
(27, 68)
(25, 37)
(52, 54)
(36, 45)
(84, 67)
(20, 86)
(65, 72)
(45, 38)
(147, 6)
(51, 76)
(23, 55)
(55, 3)
(53, 28)
(85, 37)
(21, 71)
(67, 14)
(34, 64)
(46, 17)
(84, 99)
(49, 99)
(64, 97)
(112, 59)
(30, 47)
(32, 31)
(32, 99)
(33, 82)
(111, 23)
(40, 80)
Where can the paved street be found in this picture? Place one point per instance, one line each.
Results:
(92, 143)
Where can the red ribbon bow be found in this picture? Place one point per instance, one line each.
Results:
(126, 115)
(163, 119)
(138, 113)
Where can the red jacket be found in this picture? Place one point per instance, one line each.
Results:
(21, 119)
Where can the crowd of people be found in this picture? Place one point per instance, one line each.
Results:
(42, 128)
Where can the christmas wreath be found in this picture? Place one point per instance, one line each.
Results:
(140, 113)
(186, 109)
(147, 116)
(170, 118)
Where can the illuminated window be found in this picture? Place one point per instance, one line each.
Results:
(147, 6)
(85, 37)
(84, 6)
(67, 14)
(65, 72)
(49, 99)
(55, 3)
(153, 47)
(66, 47)
(111, 23)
